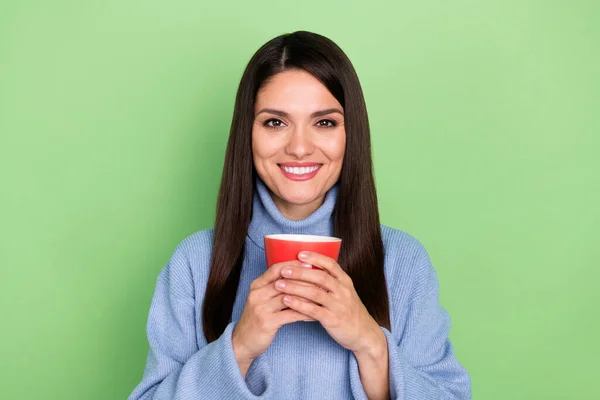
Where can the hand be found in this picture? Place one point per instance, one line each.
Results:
(338, 307)
(264, 313)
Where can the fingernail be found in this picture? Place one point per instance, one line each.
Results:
(305, 265)
(280, 284)
(287, 300)
(286, 272)
(303, 255)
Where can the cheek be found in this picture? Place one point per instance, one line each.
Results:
(336, 148)
(262, 148)
(258, 150)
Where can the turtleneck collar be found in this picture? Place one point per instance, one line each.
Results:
(267, 219)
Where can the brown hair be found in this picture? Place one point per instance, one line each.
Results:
(362, 254)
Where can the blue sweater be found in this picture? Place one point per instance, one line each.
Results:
(303, 362)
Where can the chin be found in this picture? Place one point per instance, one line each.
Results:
(299, 196)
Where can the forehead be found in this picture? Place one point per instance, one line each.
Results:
(295, 90)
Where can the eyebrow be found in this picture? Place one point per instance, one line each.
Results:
(316, 114)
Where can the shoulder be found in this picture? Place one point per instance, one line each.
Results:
(408, 267)
(198, 244)
(190, 262)
(402, 246)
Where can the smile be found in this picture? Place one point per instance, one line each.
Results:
(300, 173)
(301, 170)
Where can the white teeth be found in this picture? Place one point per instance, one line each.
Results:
(300, 170)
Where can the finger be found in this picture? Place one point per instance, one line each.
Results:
(275, 304)
(326, 263)
(288, 316)
(312, 276)
(272, 274)
(266, 293)
(263, 294)
(309, 309)
(300, 282)
(311, 292)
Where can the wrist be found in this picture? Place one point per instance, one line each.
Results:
(374, 346)
(242, 356)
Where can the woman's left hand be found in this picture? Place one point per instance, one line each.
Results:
(337, 306)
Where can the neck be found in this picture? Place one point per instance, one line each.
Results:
(315, 218)
(296, 212)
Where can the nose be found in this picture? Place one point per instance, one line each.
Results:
(299, 144)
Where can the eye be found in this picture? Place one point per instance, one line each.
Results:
(326, 123)
(274, 123)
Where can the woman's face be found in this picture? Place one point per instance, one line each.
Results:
(298, 141)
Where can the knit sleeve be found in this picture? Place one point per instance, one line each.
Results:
(422, 365)
(179, 366)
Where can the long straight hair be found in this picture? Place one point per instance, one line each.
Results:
(356, 215)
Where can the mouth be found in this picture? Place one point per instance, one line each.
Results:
(300, 172)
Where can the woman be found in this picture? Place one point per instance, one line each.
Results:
(222, 326)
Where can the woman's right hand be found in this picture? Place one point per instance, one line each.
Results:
(263, 315)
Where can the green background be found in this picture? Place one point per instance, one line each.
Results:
(114, 117)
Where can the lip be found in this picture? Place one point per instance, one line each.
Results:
(303, 177)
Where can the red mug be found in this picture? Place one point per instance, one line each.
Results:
(280, 248)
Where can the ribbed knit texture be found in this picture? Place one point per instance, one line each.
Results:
(303, 362)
